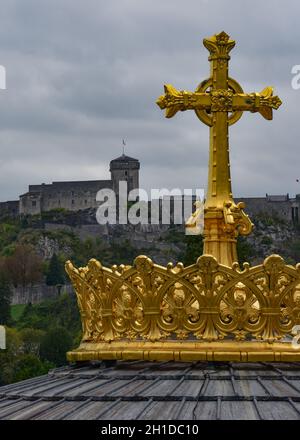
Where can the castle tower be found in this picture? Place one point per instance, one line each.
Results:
(127, 169)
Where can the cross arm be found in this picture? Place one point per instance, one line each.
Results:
(179, 100)
(263, 102)
(218, 100)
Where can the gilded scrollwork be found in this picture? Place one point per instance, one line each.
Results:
(179, 311)
(127, 313)
(206, 301)
(239, 311)
(236, 218)
(290, 308)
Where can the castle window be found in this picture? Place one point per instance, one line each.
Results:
(33, 203)
(73, 202)
(72, 193)
(126, 173)
(85, 202)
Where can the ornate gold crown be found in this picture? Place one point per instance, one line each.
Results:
(210, 310)
(204, 311)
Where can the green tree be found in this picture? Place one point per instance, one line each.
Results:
(5, 298)
(8, 235)
(8, 357)
(55, 344)
(245, 250)
(24, 267)
(58, 312)
(20, 360)
(29, 365)
(294, 250)
(31, 339)
(55, 273)
(193, 250)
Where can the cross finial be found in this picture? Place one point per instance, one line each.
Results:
(219, 101)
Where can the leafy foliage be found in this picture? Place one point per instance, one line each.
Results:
(193, 250)
(55, 273)
(55, 344)
(295, 250)
(16, 364)
(5, 298)
(42, 335)
(244, 249)
(8, 235)
(29, 365)
(24, 267)
(59, 312)
(16, 311)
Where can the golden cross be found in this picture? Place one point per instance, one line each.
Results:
(219, 101)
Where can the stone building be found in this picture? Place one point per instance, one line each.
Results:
(9, 208)
(77, 195)
(280, 206)
(81, 195)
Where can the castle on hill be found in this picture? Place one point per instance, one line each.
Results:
(81, 195)
(74, 195)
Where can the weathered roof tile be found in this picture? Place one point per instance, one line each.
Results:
(158, 391)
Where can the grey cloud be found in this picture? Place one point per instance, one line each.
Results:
(82, 75)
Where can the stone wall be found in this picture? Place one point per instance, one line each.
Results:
(38, 293)
(72, 196)
(261, 205)
(9, 208)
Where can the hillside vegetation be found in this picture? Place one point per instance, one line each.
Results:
(38, 335)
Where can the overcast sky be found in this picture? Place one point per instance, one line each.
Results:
(82, 75)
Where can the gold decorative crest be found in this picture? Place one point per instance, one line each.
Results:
(202, 303)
